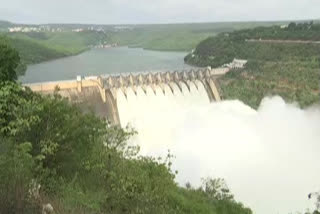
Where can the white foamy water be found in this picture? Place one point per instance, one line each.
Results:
(269, 158)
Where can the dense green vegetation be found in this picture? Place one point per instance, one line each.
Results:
(4, 25)
(63, 42)
(32, 52)
(287, 69)
(294, 31)
(9, 61)
(176, 37)
(52, 152)
(36, 47)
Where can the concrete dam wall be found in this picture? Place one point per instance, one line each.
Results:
(100, 93)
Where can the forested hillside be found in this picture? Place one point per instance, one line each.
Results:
(177, 37)
(65, 42)
(4, 25)
(290, 70)
(53, 154)
(36, 47)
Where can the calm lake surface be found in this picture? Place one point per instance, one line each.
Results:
(105, 61)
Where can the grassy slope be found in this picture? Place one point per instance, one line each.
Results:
(64, 42)
(288, 70)
(31, 52)
(294, 80)
(170, 37)
(176, 37)
(38, 47)
(4, 25)
(35, 47)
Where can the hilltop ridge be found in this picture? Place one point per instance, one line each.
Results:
(288, 69)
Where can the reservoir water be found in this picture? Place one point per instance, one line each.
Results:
(104, 61)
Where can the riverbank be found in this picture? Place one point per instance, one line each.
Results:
(37, 47)
(105, 61)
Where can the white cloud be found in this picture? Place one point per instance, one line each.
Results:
(156, 11)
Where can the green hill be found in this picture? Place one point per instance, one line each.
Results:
(280, 67)
(177, 37)
(32, 52)
(36, 47)
(66, 42)
(5, 24)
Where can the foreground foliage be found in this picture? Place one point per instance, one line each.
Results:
(287, 69)
(51, 152)
(83, 164)
(9, 61)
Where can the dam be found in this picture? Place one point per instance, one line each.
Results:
(101, 92)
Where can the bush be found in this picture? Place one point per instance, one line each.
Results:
(9, 61)
(84, 165)
(16, 165)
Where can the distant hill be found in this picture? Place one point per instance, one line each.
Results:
(4, 25)
(170, 37)
(166, 37)
(177, 37)
(60, 39)
(226, 46)
(290, 70)
(32, 52)
(36, 47)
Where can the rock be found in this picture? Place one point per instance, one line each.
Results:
(47, 209)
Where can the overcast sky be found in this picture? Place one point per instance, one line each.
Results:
(155, 11)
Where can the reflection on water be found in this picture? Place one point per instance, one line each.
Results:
(104, 61)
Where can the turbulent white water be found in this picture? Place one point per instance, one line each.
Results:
(269, 158)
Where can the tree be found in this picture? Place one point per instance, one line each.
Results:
(292, 26)
(16, 165)
(217, 189)
(315, 195)
(9, 62)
